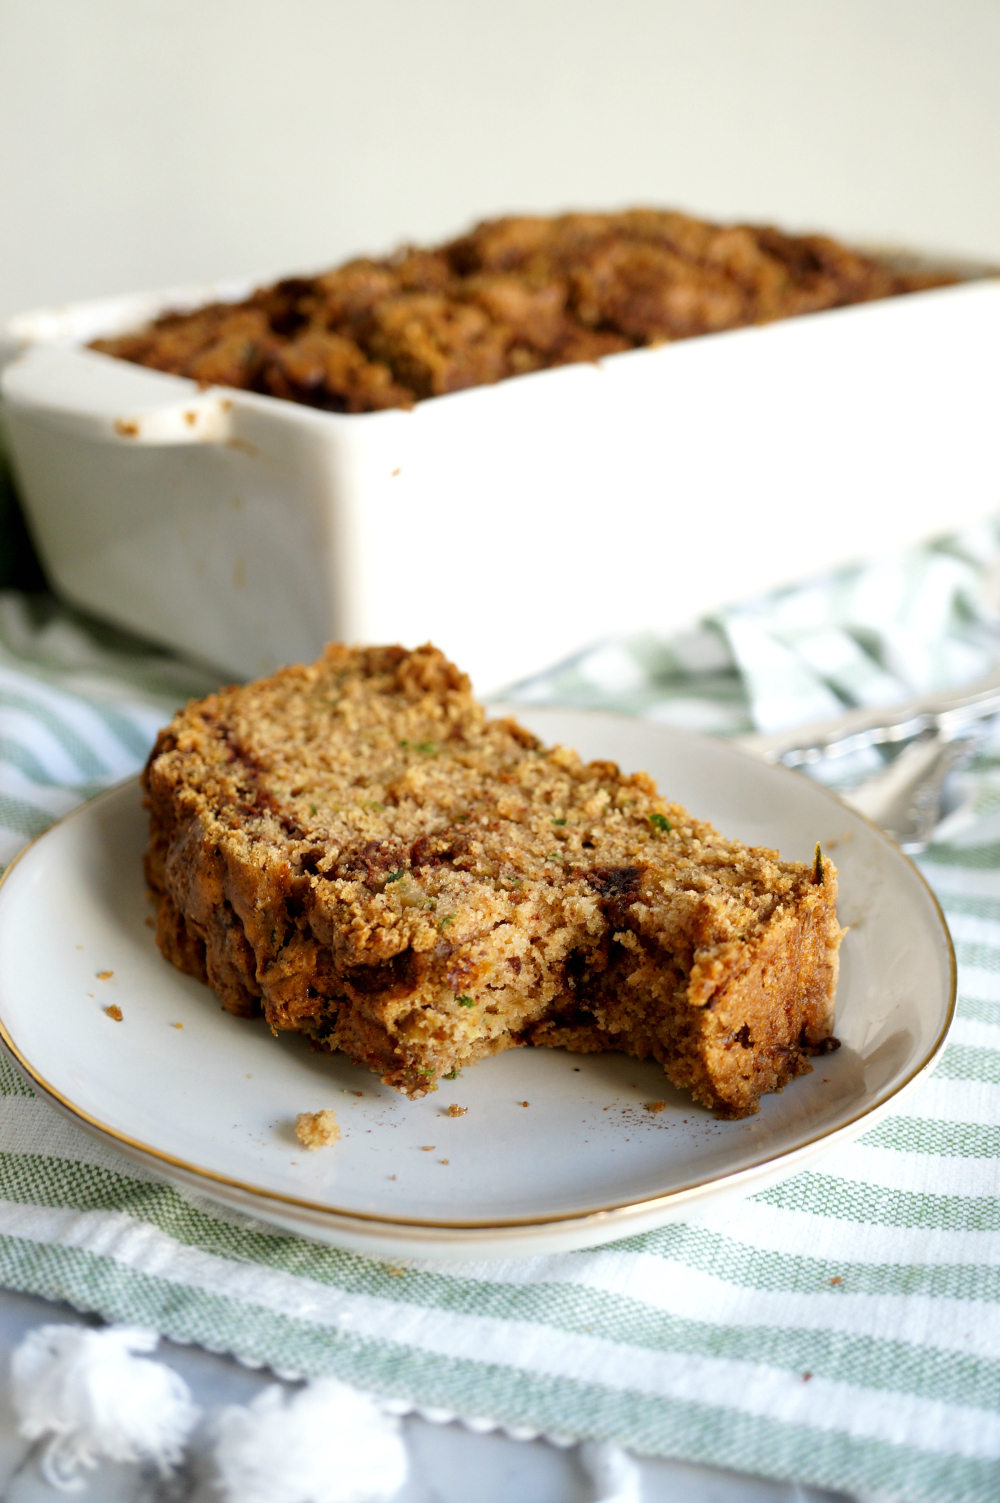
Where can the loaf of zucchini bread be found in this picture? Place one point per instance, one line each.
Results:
(514, 295)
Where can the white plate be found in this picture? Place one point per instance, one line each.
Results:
(212, 1104)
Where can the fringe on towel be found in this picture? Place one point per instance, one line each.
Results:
(326, 1443)
(94, 1395)
(615, 1476)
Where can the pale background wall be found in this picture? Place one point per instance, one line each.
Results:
(146, 142)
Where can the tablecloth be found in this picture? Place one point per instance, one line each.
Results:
(841, 1329)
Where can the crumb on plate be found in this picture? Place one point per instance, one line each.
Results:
(317, 1129)
(114, 1011)
(455, 1111)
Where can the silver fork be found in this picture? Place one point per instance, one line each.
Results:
(942, 732)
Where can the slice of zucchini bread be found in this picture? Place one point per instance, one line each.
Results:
(354, 849)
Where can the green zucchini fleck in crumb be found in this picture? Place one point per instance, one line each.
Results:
(660, 822)
(465, 1001)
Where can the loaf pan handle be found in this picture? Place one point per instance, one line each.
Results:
(108, 400)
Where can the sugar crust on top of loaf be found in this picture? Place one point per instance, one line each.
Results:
(514, 295)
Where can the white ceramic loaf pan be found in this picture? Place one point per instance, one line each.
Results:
(510, 524)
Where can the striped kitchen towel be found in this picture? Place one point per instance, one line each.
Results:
(842, 1329)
